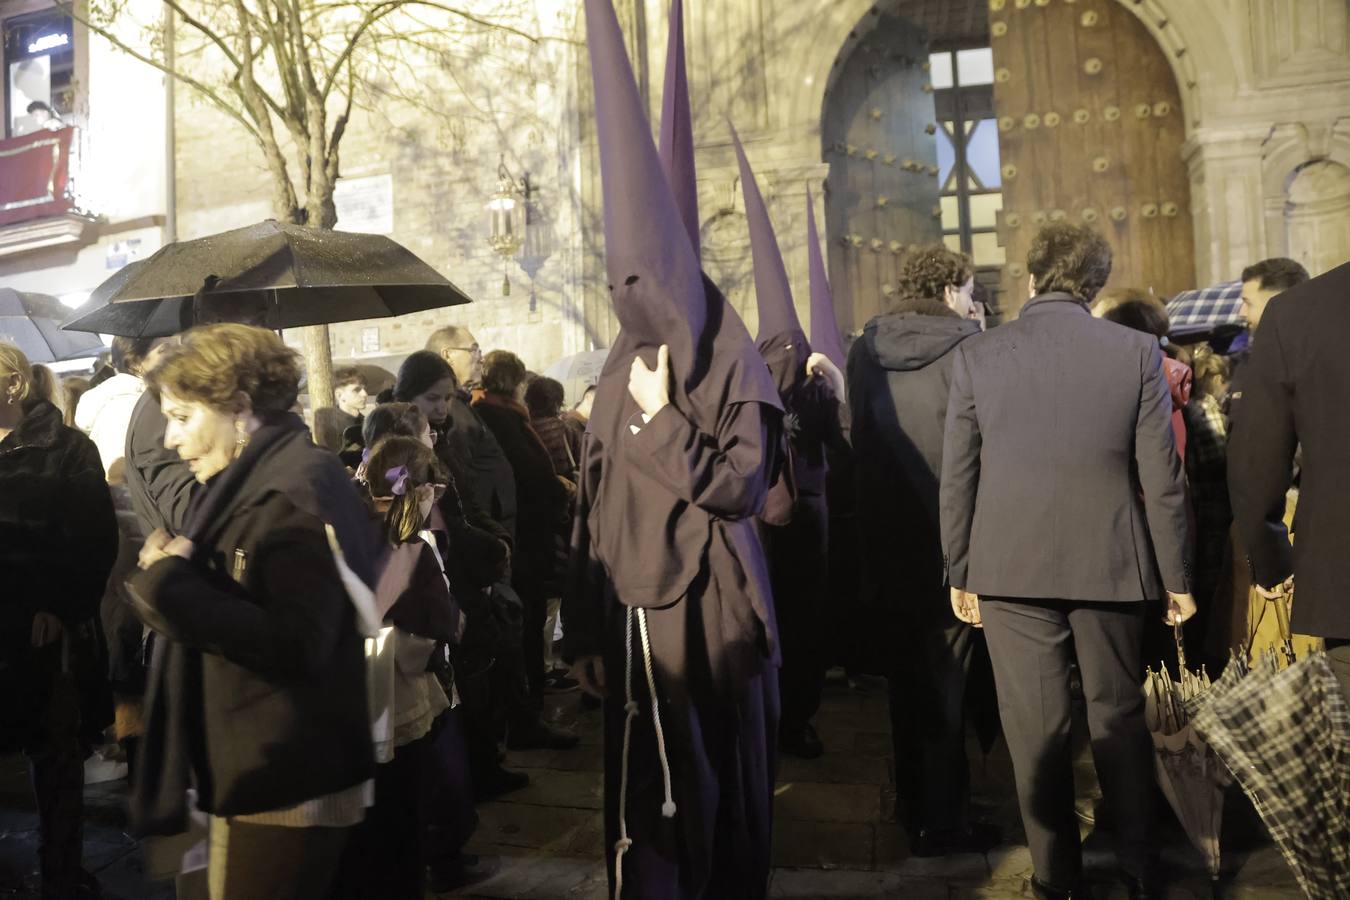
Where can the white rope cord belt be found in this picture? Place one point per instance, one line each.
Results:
(630, 709)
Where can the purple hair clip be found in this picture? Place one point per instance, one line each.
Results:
(398, 480)
(365, 455)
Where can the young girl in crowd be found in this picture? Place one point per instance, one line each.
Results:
(423, 810)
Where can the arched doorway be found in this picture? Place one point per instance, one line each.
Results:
(877, 135)
(1090, 132)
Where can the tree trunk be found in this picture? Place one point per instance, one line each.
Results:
(318, 351)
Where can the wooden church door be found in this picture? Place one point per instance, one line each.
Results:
(1090, 132)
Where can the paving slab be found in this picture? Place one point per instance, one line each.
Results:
(837, 845)
(815, 802)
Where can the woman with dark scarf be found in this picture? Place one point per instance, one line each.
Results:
(257, 692)
(795, 524)
(669, 614)
(58, 540)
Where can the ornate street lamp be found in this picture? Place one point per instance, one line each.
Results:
(508, 213)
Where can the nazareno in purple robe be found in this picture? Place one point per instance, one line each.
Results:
(668, 581)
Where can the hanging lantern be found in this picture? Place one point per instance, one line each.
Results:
(507, 220)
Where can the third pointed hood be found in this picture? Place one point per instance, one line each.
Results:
(677, 131)
(825, 336)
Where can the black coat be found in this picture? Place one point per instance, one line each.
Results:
(274, 705)
(1293, 391)
(58, 540)
(485, 467)
(159, 482)
(542, 502)
(899, 373)
(1060, 475)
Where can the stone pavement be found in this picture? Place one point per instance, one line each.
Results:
(835, 835)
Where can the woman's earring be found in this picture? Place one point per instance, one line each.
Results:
(240, 438)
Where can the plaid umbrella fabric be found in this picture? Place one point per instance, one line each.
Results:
(1220, 304)
(1285, 736)
(1190, 774)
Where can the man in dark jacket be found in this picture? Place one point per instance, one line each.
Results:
(1297, 379)
(899, 373)
(1063, 512)
(543, 502)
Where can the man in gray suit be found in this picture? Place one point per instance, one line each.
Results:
(1063, 513)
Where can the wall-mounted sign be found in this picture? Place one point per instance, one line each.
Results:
(370, 339)
(365, 204)
(49, 42)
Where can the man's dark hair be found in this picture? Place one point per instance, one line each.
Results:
(348, 375)
(1141, 315)
(503, 372)
(1069, 259)
(544, 397)
(128, 354)
(919, 306)
(1278, 273)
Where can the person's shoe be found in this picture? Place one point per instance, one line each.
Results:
(977, 837)
(804, 743)
(1042, 891)
(497, 782)
(464, 870)
(539, 735)
(1140, 888)
(557, 682)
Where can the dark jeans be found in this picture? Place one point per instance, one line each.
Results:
(1032, 644)
(56, 771)
(273, 862)
(535, 602)
(383, 859)
(927, 694)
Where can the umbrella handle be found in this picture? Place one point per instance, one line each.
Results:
(1181, 645)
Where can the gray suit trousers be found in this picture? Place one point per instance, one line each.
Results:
(1031, 645)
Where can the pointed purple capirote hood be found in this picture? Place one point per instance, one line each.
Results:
(773, 293)
(654, 276)
(825, 337)
(677, 130)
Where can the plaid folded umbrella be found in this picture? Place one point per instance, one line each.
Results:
(1285, 736)
(1188, 771)
(1220, 304)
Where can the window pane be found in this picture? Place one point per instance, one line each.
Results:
(953, 242)
(982, 153)
(982, 210)
(946, 154)
(975, 66)
(940, 70)
(951, 215)
(985, 249)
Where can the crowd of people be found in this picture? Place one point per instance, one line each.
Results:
(190, 560)
(321, 636)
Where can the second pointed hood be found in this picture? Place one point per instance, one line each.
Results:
(825, 337)
(677, 130)
(781, 340)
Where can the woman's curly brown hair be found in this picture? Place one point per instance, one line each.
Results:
(926, 271)
(214, 363)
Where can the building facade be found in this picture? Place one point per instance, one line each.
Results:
(1262, 147)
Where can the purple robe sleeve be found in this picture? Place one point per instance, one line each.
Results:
(726, 474)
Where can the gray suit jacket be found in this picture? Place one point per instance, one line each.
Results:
(1060, 476)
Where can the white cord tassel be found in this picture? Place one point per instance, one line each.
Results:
(630, 709)
(667, 808)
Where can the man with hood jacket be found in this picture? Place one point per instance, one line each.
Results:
(899, 373)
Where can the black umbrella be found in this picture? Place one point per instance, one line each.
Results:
(309, 277)
(32, 322)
